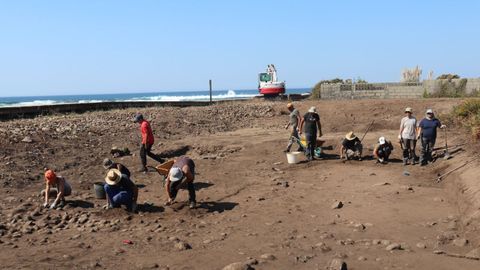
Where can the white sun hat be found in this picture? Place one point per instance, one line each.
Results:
(381, 140)
(175, 174)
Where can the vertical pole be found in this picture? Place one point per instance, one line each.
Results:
(210, 84)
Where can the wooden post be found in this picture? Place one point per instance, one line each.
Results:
(210, 84)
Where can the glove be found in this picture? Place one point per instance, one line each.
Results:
(443, 126)
(45, 205)
(53, 206)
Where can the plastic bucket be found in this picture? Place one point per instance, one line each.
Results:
(99, 190)
(293, 157)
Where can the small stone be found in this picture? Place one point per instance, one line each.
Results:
(337, 205)
(27, 139)
(460, 242)
(361, 258)
(337, 264)
(238, 266)
(323, 247)
(421, 245)
(385, 242)
(438, 252)
(394, 246)
(147, 266)
(182, 246)
(473, 254)
(268, 256)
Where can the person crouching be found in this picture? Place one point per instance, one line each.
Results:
(351, 147)
(58, 184)
(182, 173)
(120, 191)
(382, 150)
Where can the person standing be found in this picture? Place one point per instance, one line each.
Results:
(427, 132)
(60, 184)
(311, 122)
(408, 137)
(147, 142)
(180, 174)
(294, 120)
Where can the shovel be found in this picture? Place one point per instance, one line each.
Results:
(446, 154)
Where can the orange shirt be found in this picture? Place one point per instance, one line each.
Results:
(147, 134)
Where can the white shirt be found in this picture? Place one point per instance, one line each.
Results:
(409, 126)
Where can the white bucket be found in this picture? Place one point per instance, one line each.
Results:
(293, 157)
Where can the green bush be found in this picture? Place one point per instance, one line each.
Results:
(468, 115)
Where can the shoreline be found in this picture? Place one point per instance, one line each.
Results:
(8, 113)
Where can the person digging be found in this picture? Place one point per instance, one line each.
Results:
(109, 164)
(351, 147)
(382, 150)
(147, 142)
(120, 191)
(58, 184)
(181, 174)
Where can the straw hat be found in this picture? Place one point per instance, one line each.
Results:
(312, 109)
(381, 140)
(350, 136)
(175, 174)
(408, 109)
(50, 176)
(113, 177)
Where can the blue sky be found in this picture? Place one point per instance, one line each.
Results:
(52, 47)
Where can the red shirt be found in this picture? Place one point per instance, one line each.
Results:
(147, 134)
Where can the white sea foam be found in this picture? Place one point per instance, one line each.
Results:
(229, 95)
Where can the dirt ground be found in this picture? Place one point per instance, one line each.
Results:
(253, 207)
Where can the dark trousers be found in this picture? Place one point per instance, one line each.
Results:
(427, 147)
(409, 149)
(384, 153)
(117, 196)
(311, 138)
(175, 186)
(147, 151)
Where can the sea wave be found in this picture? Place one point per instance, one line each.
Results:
(229, 95)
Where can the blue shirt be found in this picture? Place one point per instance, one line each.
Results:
(429, 127)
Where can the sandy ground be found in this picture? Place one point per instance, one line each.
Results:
(253, 207)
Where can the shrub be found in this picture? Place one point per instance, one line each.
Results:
(468, 114)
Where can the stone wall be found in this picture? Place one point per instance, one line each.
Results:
(390, 90)
(473, 84)
(372, 91)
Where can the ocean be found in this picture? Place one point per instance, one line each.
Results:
(154, 96)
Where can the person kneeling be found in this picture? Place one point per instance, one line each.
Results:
(351, 147)
(120, 191)
(382, 150)
(182, 173)
(56, 184)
